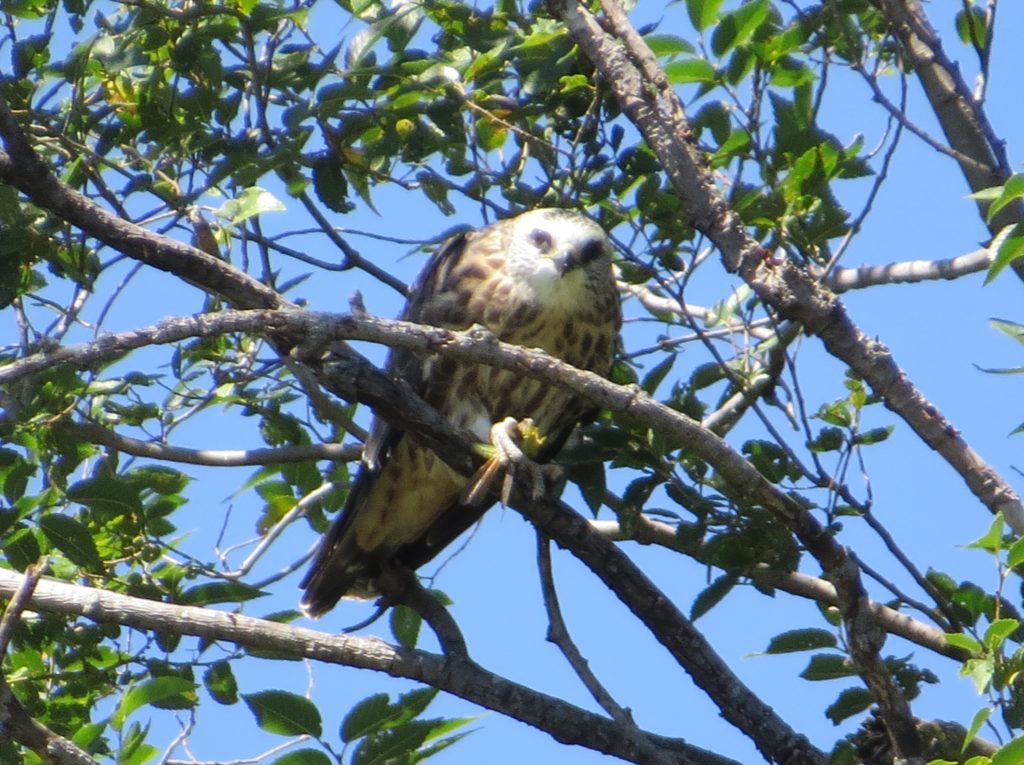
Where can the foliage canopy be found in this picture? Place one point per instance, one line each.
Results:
(167, 159)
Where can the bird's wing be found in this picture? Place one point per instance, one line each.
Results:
(433, 281)
(341, 564)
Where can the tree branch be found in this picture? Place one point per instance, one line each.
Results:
(22, 168)
(97, 434)
(631, 71)
(466, 346)
(904, 272)
(646, 97)
(15, 721)
(458, 676)
(558, 634)
(648, 531)
(354, 377)
(960, 114)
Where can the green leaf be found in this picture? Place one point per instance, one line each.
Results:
(1016, 554)
(1008, 245)
(702, 12)
(108, 496)
(73, 539)
(850, 702)
(711, 595)
(304, 757)
(1011, 754)
(668, 45)
(87, 735)
(655, 376)
(220, 592)
(993, 538)
(1009, 328)
(980, 671)
(365, 717)
(410, 704)
(971, 26)
(405, 625)
(330, 185)
(737, 27)
(251, 202)
(827, 666)
(490, 135)
(1012, 190)
(284, 713)
(394, 745)
(220, 683)
(966, 642)
(998, 631)
(157, 689)
(690, 70)
(874, 435)
(980, 717)
(789, 73)
(801, 640)
(21, 549)
(591, 480)
(829, 439)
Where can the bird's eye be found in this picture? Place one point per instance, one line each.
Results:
(541, 239)
(592, 250)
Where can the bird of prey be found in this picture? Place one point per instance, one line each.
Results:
(542, 279)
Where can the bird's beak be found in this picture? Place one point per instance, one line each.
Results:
(566, 259)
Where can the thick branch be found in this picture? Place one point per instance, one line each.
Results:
(961, 115)
(468, 346)
(15, 721)
(460, 677)
(22, 168)
(632, 72)
(396, 402)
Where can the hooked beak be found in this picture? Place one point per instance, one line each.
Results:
(571, 256)
(565, 260)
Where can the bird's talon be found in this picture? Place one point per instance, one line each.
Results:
(506, 437)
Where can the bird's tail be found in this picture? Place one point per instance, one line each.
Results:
(340, 568)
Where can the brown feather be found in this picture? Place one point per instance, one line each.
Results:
(404, 504)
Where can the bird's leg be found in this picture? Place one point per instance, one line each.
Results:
(511, 440)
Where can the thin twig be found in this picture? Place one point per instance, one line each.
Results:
(97, 434)
(12, 614)
(559, 635)
(402, 587)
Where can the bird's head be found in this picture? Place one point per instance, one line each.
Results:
(551, 245)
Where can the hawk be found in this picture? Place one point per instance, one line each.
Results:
(542, 279)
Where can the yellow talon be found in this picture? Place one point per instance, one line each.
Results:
(513, 444)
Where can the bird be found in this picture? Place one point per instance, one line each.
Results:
(542, 279)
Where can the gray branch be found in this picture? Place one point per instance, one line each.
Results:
(458, 676)
(97, 434)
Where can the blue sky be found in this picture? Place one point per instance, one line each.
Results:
(939, 334)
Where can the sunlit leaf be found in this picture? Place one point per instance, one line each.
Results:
(73, 539)
(702, 12)
(251, 202)
(284, 713)
(151, 691)
(220, 682)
